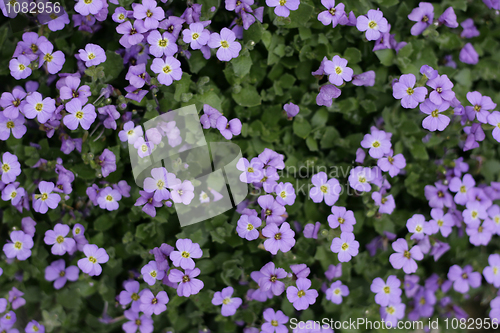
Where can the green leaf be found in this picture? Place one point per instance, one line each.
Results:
(112, 66)
(248, 96)
(329, 138)
(311, 143)
(242, 65)
(385, 56)
(301, 127)
(182, 86)
(83, 171)
(103, 222)
(353, 55)
(301, 16)
(387, 3)
(419, 152)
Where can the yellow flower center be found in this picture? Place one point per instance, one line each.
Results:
(324, 188)
(477, 108)
(439, 89)
(62, 273)
(435, 113)
(153, 274)
(18, 245)
(60, 239)
(135, 297)
(341, 220)
(474, 214)
(121, 17)
(79, 115)
(249, 227)
(10, 124)
(383, 200)
(88, 2)
(149, 13)
(154, 301)
(138, 322)
(440, 223)
(5, 167)
(92, 259)
(387, 289)
(301, 293)
(336, 291)
(425, 19)
(130, 132)
(185, 279)
(495, 270)
(163, 42)
(225, 44)
(91, 56)
(422, 300)
(362, 179)
(345, 246)
(332, 10)
(409, 91)
(376, 144)
(160, 184)
(195, 36)
(22, 67)
(250, 169)
(45, 196)
(390, 310)
(77, 231)
(480, 229)
(283, 194)
(407, 254)
(463, 189)
(167, 69)
(418, 228)
(338, 70)
(274, 323)
(144, 148)
(226, 301)
(39, 107)
(372, 24)
(464, 276)
(48, 57)
(13, 194)
(277, 236)
(185, 254)
(109, 197)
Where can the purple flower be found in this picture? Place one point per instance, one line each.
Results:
(54, 60)
(291, 110)
(386, 292)
(423, 15)
(345, 246)
(468, 55)
(492, 272)
(85, 8)
(151, 273)
(448, 18)
(159, 182)
(57, 238)
(13, 193)
(132, 34)
(11, 168)
(137, 75)
(186, 251)
(366, 79)
(197, 36)
(275, 321)
(462, 278)
(272, 211)
(168, 69)
(480, 234)
(84, 116)
(336, 291)
(406, 91)
(301, 296)
(247, 227)
(149, 12)
(270, 279)
(343, 218)
(461, 187)
(173, 25)
(470, 29)
(13, 102)
(38, 107)
(182, 192)
(15, 298)
(441, 222)
(481, 105)
(493, 119)
(285, 193)
(360, 178)
(338, 71)
(46, 199)
(332, 14)
(108, 199)
(34, 327)
(28, 226)
(107, 161)
(386, 204)
(429, 72)
(150, 204)
(438, 195)
(442, 86)
(229, 304)
(283, 8)
(311, 230)
(228, 128)
(326, 95)
(161, 44)
(392, 164)
(281, 238)
(93, 54)
(392, 314)
(19, 247)
(329, 190)
(188, 285)
(151, 304)
(19, 68)
(226, 43)
(418, 226)
(130, 294)
(378, 143)
(95, 257)
(405, 258)
(474, 213)
(58, 273)
(130, 132)
(70, 90)
(136, 322)
(373, 23)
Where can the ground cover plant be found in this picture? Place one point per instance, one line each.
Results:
(369, 136)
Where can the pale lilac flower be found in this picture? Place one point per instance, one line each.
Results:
(301, 296)
(108, 199)
(229, 304)
(392, 163)
(423, 15)
(441, 222)
(360, 178)
(151, 304)
(345, 246)
(46, 199)
(168, 69)
(406, 91)
(13, 193)
(373, 23)
(285, 193)
(386, 204)
(329, 190)
(19, 68)
(161, 44)
(79, 115)
(15, 298)
(338, 71)
(247, 227)
(336, 291)
(492, 272)
(131, 294)
(448, 18)
(226, 43)
(283, 7)
(405, 258)
(13, 102)
(59, 273)
(275, 321)
(71, 90)
(142, 323)
(386, 292)
(493, 119)
(86, 7)
(94, 257)
(186, 251)
(228, 128)
(158, 183)
(38, 107)
(470, 29)
(196, 35)
(442, 86)
(271, 277)
(468, 55)
(481, 105)
(463, 278)
(54, 60)
(57, 238)
(418, 226)
(144, 148)
(149, 13)
(188, 285)
(281, 238)
(332, 14)
(342, 217)
(392, 314)
(291, 110)
(378, 143)
(33, 326)
(151, 273)
(182, 192)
